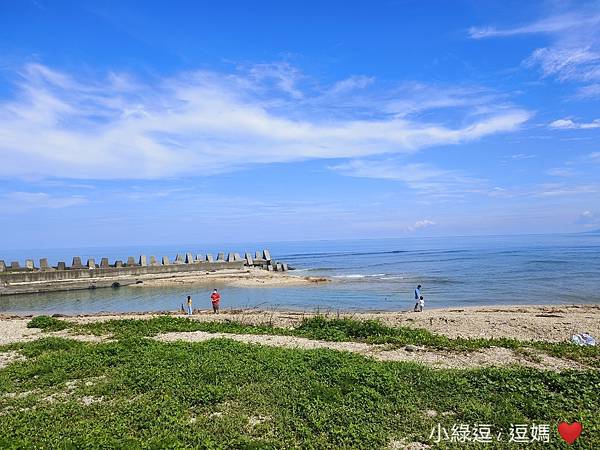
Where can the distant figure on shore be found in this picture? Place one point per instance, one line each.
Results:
(421, 304)
(215, 298)
(417, 297)
(189, 305)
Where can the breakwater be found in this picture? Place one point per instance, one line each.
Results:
(32, 278)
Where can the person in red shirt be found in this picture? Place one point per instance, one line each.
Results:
(215, 299)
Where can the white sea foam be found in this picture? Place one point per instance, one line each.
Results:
(356, 275)
(359, 275)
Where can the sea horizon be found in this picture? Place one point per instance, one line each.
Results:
(365, 274)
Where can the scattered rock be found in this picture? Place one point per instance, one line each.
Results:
(19, 394)
(88, 400)
(411, 348)
(256, 420)
(402, 445)
(7, 358)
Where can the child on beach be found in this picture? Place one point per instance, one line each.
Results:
(215, 298)
(419, 304)
(189, 305)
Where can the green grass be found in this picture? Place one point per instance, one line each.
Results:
(322, 328)
(47, 323)
(225, 394)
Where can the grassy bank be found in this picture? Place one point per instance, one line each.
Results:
(321, 328)
(136, 392)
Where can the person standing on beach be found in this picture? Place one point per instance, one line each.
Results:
(189, 305)
(215, 298)
(417, 297)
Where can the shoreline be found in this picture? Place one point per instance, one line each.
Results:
(551, 323)
(247, 277)
(237, 277)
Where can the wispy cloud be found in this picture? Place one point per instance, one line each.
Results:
(351, 84)
(560, 172)
(201, 123)
(574, 51)
(564, 190)
(284, 76)
(553, 24)
(568, 124)
(413, 98)
(520, 156)
(18, 202)
(580, 63)
(423, 178)
(589, 91)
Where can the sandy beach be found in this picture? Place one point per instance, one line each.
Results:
(236, 277)
(247, 277)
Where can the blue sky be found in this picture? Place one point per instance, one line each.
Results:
(168, 122)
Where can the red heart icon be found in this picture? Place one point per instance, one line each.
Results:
(569, 431)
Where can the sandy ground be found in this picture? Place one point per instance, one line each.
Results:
(15, 330)
(496, 356)
(247, 277)
(244, 278)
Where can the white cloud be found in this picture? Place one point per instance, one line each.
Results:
(568, 124)
(200, 123)
(420, 224)
(588, 218)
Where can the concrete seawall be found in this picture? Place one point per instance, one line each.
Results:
(16, 279)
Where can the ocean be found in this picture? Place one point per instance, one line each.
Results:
(367, 275)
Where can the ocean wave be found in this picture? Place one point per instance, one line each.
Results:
(356, 275)
(360, 275)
